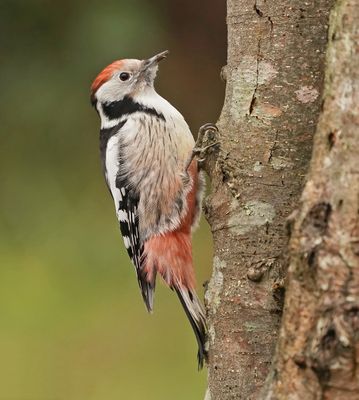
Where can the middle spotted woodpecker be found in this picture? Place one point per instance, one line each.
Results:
(147, 157)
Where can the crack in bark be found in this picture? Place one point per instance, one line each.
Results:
(261, 15)
(271, 25)
(253, 100)
(257, 10)
(271, 150)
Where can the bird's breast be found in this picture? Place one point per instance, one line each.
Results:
(153, 154)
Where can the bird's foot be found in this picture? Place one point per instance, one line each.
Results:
(200, 151)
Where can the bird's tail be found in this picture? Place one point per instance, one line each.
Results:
(171, 256)
(147, 287)
(196, 316)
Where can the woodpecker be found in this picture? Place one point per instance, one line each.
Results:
(147, 154)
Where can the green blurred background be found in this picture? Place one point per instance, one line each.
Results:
(72, 322)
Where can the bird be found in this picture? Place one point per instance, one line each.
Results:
(147, 155)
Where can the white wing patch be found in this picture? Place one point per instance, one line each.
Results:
(112, 167)
(122, 215)
(127, 242)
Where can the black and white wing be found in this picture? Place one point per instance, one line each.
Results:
(126, 201)
(127, 214)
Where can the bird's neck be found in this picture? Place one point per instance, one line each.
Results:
(148, 102)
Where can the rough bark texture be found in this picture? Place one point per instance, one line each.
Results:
(318, 350)
(274, 82)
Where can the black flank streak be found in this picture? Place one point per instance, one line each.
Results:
(158, 216)
(161, 180)
(179, 204)
(151, 138)
(127, 106)
(150, 132)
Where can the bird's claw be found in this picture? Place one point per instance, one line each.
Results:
(208, 127)
(199, 150)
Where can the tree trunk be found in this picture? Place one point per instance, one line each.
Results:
(274, 82)
(318, 351)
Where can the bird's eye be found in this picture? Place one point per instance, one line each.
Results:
(124, 76)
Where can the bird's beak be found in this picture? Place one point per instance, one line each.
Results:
(154, 60)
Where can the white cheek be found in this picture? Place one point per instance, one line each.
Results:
(114, 89)
(110, 91)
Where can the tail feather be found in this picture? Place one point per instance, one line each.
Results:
(196, 316)
(147, 289)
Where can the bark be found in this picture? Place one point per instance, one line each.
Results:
(274, 80)
(318, 350)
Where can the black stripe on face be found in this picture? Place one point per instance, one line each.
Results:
(126, 106)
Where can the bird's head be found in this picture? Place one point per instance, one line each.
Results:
(126, 77)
